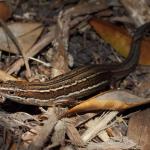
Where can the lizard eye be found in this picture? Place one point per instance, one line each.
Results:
(11, 92)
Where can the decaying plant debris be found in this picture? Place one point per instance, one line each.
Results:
(50, 38)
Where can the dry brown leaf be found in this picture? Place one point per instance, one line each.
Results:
(5, 76)
(74, 135)
(25, 33)
(120, 40)
(139, 129)
(111, 100)
(60, 62)
(5, 10)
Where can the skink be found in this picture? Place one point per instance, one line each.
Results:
(78, 83)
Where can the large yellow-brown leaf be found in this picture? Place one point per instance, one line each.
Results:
(111, 100)
(120, 40)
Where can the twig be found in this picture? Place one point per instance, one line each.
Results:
(40, 61)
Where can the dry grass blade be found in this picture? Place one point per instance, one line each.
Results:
(93, 131)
